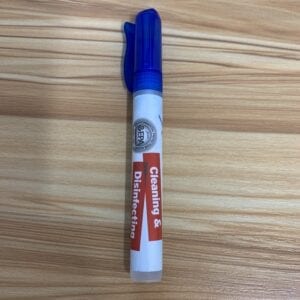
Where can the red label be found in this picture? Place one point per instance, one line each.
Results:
(153, 195)
(137, 204)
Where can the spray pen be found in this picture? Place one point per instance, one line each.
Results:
(143, 78)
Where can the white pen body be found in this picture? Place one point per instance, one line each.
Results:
(146, 203)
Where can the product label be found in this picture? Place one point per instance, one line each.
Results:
(146, 186)
(153, 195)
(137, 204)
(146, 208)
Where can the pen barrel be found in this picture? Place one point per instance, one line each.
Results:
(146, 202)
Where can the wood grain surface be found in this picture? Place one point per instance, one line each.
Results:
(231, 150)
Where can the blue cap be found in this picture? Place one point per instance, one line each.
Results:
(143, 55)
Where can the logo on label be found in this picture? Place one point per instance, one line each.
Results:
(144, 136)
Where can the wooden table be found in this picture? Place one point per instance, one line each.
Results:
(231, 150)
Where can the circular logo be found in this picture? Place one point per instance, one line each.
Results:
(144, 135)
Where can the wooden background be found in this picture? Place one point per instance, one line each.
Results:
(231, 150)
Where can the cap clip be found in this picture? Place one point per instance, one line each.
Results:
(129, 30)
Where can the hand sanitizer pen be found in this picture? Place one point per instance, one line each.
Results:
(143, 77)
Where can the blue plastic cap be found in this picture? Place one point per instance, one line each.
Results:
(143, 56)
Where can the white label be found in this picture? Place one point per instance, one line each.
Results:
(146, 219)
